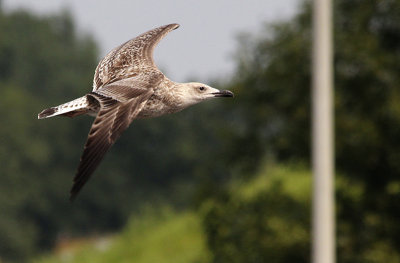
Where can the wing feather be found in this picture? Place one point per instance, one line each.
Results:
(131, 58)
(114, 118)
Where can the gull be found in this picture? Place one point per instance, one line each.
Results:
(127, 85)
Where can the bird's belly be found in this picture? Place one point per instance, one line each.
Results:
(155, 108)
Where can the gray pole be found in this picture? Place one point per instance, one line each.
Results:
(323, 225)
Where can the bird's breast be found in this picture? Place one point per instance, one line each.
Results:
(158, 105)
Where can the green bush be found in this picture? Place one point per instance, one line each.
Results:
(267, 220)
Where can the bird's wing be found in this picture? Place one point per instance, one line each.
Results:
(131, 58)
(119, 106)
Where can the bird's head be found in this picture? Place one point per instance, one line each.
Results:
(195, 92)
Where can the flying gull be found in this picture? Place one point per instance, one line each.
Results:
(127, 85)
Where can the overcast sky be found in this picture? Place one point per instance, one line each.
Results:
(201, 47)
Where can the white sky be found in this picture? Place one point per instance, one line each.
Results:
(201, 47)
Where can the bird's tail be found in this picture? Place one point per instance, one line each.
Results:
(73, 108)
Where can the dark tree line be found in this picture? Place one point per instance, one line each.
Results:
(271, 115)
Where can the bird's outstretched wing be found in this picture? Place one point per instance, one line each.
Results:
(132, 58)
(119, 103)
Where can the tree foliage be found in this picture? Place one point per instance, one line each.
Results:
(271, 116)
(265, 219)
(41, 61)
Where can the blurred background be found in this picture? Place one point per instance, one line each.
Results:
(224, 181)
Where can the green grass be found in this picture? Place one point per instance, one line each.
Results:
(165, 237)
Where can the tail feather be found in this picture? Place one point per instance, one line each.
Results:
(73, 108)
(47, 113)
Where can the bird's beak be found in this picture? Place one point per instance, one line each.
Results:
(223, 93)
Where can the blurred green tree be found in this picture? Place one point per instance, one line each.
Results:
(265, 219)
(41, 60)
(271, 117)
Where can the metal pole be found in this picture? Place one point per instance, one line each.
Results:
(323, 248)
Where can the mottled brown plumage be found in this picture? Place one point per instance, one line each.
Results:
(134, 58)
(127, 85)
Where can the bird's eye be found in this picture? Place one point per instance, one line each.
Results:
(202, 88)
